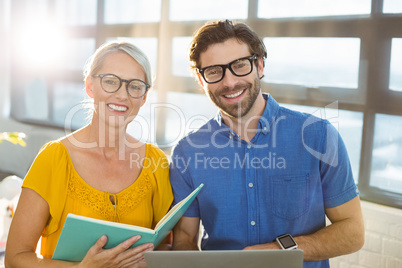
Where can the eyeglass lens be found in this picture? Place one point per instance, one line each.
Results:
(112, 83)
(238, 67)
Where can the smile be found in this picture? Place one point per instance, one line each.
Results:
(234, 95)
(117, 107)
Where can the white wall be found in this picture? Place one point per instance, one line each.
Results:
(383, 245)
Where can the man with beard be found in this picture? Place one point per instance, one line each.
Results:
(267, 170)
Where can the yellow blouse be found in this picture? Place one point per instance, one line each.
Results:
(53, 177)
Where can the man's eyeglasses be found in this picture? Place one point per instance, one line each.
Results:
(111, 83)
(240, 67)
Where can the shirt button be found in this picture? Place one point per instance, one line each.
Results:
(248, 146)
(252, 223)
(250, 185)
(265, 128)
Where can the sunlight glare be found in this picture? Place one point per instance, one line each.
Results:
(41, 44)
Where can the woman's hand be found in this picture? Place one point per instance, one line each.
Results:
(120, 256)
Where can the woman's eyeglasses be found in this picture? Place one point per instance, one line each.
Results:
(112, 83)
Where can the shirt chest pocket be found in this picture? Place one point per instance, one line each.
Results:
(290, 196)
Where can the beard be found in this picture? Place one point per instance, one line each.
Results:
(237, 110)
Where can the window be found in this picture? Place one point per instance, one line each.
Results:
(68, 106)
(132, 11)
(386, 165)
(5, 16)
(33, 11)
(180, 63)
(395, 79)
(313, 62)
(36, 100)
(149, 45)
(184, 10)
(392, 6)
(329, 58)
(311, 8)
(76, 12)
(82, 47)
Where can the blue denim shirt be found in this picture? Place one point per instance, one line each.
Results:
(280, 182)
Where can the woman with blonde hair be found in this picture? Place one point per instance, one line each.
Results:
(91, 172)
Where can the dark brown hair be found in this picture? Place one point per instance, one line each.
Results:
(220, 31)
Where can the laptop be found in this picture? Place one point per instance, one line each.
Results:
(225, 258)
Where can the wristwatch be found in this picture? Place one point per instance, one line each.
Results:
(286, 241)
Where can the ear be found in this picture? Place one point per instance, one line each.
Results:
(260, 63)
(88, 86)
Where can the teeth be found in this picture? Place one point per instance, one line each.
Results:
(234, 95)
(117, 108)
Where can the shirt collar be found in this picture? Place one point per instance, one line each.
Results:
(269, 114)
(227, 131)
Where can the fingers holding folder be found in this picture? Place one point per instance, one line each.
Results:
(122, 255)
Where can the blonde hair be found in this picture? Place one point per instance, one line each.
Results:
(96, 60)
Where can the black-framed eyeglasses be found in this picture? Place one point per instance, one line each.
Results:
(240, 67)
(111, 83)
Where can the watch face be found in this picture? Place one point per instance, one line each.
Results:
(287, 242)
